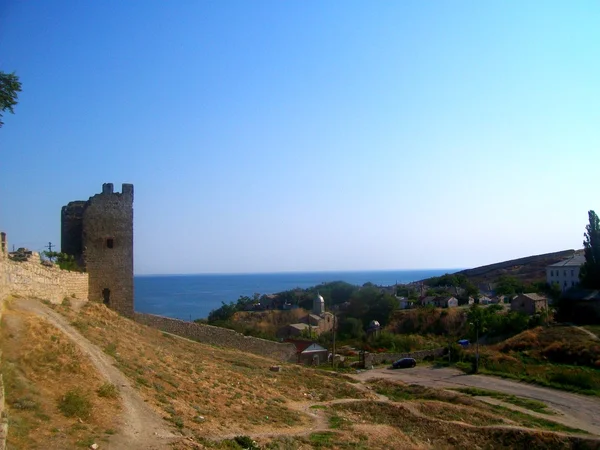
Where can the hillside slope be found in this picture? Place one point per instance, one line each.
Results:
(208, 396)
(527, 269)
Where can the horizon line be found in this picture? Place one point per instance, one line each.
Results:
(293, 272)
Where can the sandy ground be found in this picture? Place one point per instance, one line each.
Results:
(574, 410)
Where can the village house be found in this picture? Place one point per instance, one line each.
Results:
(485, 300)
(309, 352)
(293, 330)
(529, 303)
(317, 322)
(497, 299)
(565, 274)
(446, 302)
(429, 300)
(403, 302)
(440, 302)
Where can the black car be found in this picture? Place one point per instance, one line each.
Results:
(404, 363)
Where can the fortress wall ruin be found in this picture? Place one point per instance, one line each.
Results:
(33, 279)
(208, 334)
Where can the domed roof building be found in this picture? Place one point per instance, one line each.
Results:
(318, 305)
(374, 328)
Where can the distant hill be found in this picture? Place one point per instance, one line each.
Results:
(527, 269)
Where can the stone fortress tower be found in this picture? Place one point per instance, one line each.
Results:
(99, 233)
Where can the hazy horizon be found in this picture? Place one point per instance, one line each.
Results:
(292, 272)
(268, 137)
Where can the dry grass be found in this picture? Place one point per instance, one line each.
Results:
(269, 321)
(446, 434)
(215, 394)
(454, 406)
(41, 366)
(209, 391)
(561, 357)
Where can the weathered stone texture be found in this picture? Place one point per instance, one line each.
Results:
(71, 221)
(3, 414)
(32, 279)
(108, 248)
(99, 233)
(208, 334)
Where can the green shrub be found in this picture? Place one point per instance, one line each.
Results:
(66, 302)
(581, 380)
(246, 443)
(111, 349)
(108, 390)
(75, 403)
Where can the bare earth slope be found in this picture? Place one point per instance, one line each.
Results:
(527, 269)
(141, 426)
(212, 395)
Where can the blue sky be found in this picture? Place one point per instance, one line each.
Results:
(303, 136)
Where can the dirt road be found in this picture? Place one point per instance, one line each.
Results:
(577, 411)
(141, 426)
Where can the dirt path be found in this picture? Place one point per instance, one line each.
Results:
(320, 419)
(588, 332)
(576, 411)
(141, 426)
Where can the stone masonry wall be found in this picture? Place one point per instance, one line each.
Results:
(32, 279)
(208, 334)
(3, 415)
(372, 359)
(107, 240)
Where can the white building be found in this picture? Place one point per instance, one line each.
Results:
(565, 273)
(403, 302)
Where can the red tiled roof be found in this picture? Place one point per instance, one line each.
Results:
(300, 345)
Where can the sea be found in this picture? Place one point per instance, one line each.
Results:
(190, 297)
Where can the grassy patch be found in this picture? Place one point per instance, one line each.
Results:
(81, 325)
(399, 391)
(535, 422)
(323, 439)
(566, 378)
(533, 405)
(337, 422)
(108, 390)
(246, 443)
(111, 349)
(75, 403)
(559, 357)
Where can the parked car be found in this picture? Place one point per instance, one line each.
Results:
(404, 363)
(463, 343)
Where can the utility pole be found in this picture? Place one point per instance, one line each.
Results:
(477, 346)
(49, 246)
(333, 352)
(476, 323)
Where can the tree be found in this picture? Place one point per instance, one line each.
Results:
(590, 270)
(10, 86)
(507, 285)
